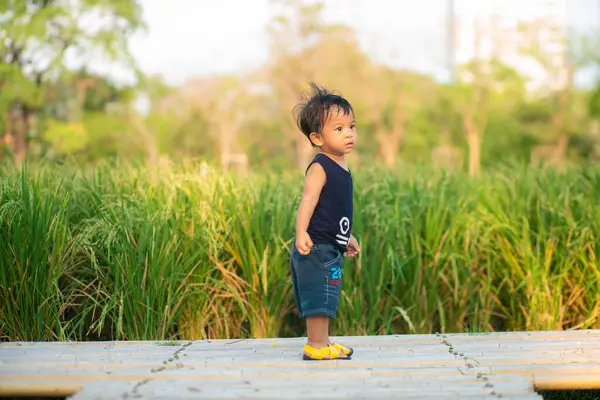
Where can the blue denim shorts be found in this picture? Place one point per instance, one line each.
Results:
(317, 279)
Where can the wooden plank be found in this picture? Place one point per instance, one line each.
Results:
(305, 393)
(523, 343)
(340, 388)
(7, 357)
(35, 388)
(512, 385)
(295, 360)
(265, 362)
(430, 380)
(293, 342)
(444, 358)
(581, 349)
(38, 388)
(592, 345)
(15, 355)
(355, 339)
(562, 372)
(549, 381)
(283, 357)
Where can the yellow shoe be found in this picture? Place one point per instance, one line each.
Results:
(325, 353)
(347, 351)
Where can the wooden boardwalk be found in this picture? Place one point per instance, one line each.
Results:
(453, 366)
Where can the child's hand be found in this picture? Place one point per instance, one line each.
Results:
(353, 247)
(303, 243)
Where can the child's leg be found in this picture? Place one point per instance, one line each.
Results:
(317, 328)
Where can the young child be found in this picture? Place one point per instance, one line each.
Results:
(324, 219)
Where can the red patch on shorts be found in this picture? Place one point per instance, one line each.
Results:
(334, 282)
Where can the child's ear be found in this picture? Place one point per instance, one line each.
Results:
(316, 139)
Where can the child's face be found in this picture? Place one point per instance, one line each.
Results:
(339, 133)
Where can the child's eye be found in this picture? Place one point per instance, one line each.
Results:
(352, 126)
(339, 129)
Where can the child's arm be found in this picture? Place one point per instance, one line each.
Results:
(313, 183)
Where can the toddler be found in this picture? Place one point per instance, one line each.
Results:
(324, 219)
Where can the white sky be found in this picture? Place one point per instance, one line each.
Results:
(194, 37)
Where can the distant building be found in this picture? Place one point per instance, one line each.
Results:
(496, 23)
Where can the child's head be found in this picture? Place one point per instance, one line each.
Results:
(327, 120)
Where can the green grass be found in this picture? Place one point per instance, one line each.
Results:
(122, 252)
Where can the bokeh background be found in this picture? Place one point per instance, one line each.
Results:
(459, 83)
(151, 169)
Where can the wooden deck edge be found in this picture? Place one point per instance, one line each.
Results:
(38, 389)
(580, 382)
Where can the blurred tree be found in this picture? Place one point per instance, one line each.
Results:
(443, 115)
(306, 49)
(560, 63)
(593, 51)
(484, 85)
(294, 29)
(35, 38)
(85, 100)
(343, 67)
(226, 103)
(150, 123)
(75, 92)
(396, 99)
(474, 102)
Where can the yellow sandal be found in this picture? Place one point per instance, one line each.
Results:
(315, 354)
(347, 351)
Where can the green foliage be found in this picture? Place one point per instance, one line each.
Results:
(502, 133)
(66, 138)
(36, 35)
(594, 105)
(36, 252)
(121, 252)
(107, 136)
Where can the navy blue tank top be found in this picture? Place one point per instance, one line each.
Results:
(331, 221)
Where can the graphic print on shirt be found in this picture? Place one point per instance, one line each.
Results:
(344, 228)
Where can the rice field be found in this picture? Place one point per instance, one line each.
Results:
(124, 252)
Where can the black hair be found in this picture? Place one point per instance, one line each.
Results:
(312, 110)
